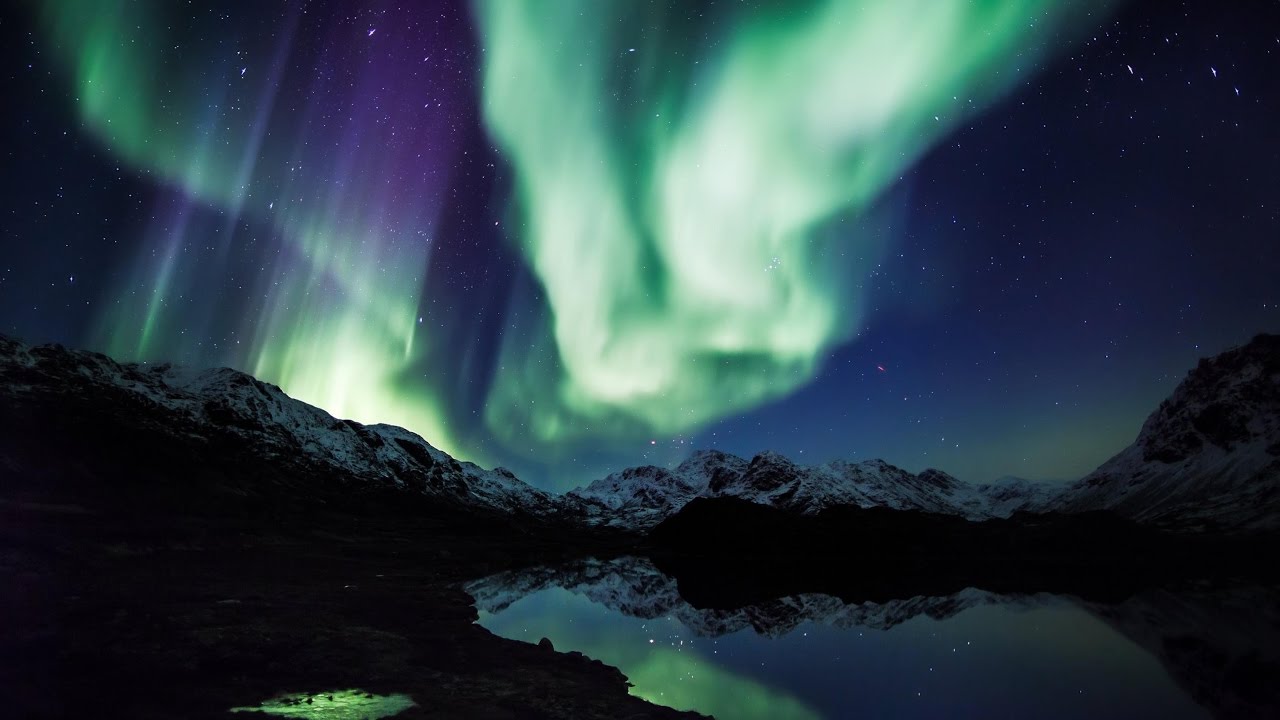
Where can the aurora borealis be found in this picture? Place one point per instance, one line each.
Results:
(335, 313)
(681, 228)
(567, 236)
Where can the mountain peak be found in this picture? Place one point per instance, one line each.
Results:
(770, 457)
(709, 456)
(1222, 402)
(937, 478)
(1208, 455)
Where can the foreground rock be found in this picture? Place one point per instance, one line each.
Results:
(115, 613)
(177, 544)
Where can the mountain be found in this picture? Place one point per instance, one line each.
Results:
(640, 498)
(76, 413)
(1009, 495)
(772, 479)
(72, 406)
(1208, 457)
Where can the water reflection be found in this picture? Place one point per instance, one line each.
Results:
(333, 705)
(1189, 654)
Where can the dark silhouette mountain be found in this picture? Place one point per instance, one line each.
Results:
(175, 543)
(1208, 457)
(81, 415)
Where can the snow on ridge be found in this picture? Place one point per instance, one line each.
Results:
(200, 401)
(635, 499)
(1209, 455)
(641, 497)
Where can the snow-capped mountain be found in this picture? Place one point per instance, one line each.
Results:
(221, 407)
(772, 479)
(640, 498)
(1208, 456)
(1009, 495)
(294, 443)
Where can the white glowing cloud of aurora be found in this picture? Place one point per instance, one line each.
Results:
(679, 192)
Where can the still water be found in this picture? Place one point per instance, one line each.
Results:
(969, 654)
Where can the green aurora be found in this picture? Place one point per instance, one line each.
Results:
(337, 325)
(677, 676)
(689, 230)
(688, 199)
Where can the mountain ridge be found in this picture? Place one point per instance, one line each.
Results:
(1207, 458)
(641, 497)
(203, 408)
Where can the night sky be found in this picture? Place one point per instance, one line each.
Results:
(566, 237)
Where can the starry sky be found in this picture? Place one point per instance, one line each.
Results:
(567, 237)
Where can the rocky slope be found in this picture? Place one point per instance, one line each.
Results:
(222, 411)
(1208, 457)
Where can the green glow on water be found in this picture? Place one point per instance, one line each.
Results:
(336, 705)
(675, 674)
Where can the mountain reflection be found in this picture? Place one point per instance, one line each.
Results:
(1185, 652)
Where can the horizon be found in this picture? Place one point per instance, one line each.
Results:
(686, 450)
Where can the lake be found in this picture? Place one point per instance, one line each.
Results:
(1193, 653)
